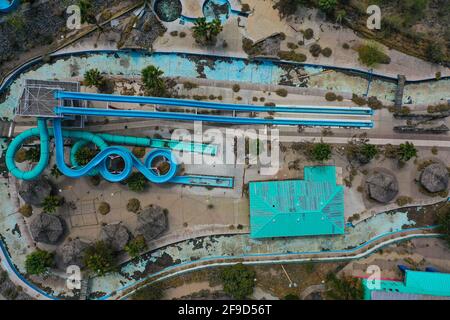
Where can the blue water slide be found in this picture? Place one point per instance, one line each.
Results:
(8, 5)
(100, 163)
(64, 95)
(62, 111)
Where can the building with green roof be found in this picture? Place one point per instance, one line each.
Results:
(417, 285)
(291, 208)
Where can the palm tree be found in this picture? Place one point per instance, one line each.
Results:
(153, 81)
(93, 77)
(206, 32)
(406, 151)
(51, 203)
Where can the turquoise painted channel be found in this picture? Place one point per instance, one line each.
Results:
(100, 162)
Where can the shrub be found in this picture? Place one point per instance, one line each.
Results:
(308, 34)
(21, 155)
(38, 262)
(236, 88)
(104, 208)
(346, 46)
(434, 150)
(292, 56)
(327, 52)
(26, 210)
(435, 52)
(292, 46)
(282, 92)
(133, 205)
(136, 246)
(238, 280)
(403, 200)
(371, 55)
(315, 49)
(190, 85)
(347, 288)
(139, 152)
(137, 182)
(328, 6)
(330, 96)
(360, 101)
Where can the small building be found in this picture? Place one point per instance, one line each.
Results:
(290, 208)
(417, 285)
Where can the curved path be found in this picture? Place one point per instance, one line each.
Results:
(358, 252)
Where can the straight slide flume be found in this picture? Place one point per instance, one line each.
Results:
(65, 95)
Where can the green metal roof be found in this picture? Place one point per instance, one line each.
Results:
(313, 206)
(416, 283)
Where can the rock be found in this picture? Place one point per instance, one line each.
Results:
(35, 191)
(116, 235)
(152, 222)
(382, 187)
(47, 228)
(435, 177)
(71, 253)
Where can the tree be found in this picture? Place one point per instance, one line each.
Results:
(327, 6)
(38, 262)
(238, 280)
(206, 32)
(100, 259)
(93, 78)
(84, 155)
(321, 152)
(133, 205)
(406, 151)
(346, 288)
(136, 246)
(153, 82)
(137, 182)
(51, 203)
